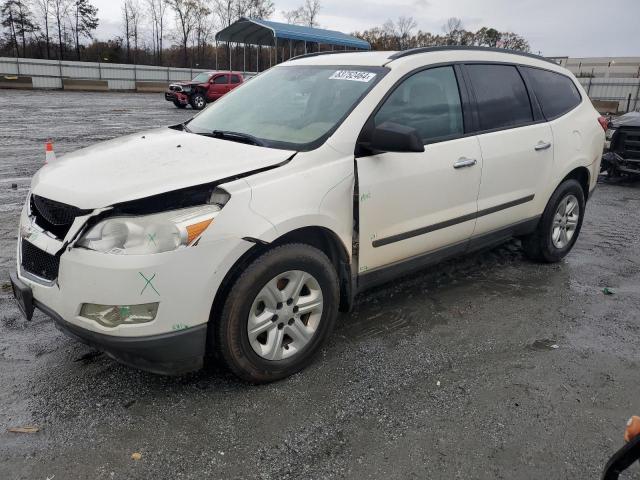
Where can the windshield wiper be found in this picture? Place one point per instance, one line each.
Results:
(237, 137)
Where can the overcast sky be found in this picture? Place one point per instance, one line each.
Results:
(578, 28)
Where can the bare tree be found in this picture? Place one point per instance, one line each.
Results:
(43, 8)
(157, 9)
(306, 15)
(84, 21)
(453, 24)
(259, 8)
(203, 29)
(131, 15)
(405, 27)
(59, 10)
(17, 17)
(186, 19)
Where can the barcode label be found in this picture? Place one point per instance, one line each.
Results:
(352, 75)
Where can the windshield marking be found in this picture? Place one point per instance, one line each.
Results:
(353, 75)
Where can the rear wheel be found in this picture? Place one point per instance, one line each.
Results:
(278, 314)
(198, 101)
(559, 226)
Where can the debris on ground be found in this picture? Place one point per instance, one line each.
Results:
(6, 287)
(607, 291)
(87, 357)
(136, 456)
(25, 429)
(544, 344)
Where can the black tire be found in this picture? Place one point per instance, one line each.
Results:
(198, 101)
(231, 331)
(539, 245)
(178, 104)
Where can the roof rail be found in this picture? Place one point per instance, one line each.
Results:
(414, 51)
(328, 52)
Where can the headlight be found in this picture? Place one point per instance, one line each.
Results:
(160, 232)
(610, 133)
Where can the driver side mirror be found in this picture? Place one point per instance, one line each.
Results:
(393, 137)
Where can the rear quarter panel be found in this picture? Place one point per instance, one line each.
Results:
(578, 141)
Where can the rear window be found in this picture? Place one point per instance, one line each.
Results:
(502, 97)
(556, 93)
(235, 79)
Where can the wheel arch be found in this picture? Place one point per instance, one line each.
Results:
(583, 176)
(321, 238)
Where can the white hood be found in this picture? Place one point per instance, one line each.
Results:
(145, 164)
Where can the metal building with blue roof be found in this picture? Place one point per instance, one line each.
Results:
(266, 33)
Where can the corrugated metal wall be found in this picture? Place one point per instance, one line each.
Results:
(48, 73)
(625, 91)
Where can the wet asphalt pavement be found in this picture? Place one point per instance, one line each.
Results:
(488, 366)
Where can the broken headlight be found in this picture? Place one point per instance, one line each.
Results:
(140, 235)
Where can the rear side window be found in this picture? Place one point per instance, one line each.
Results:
(556, 93)
(428, 101)
(221, 80)
(235, 79)
(502, 97)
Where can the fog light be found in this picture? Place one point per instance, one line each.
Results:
(114, 315)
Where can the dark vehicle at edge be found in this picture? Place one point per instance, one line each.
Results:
(622, 157)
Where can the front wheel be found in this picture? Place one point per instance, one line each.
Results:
(559, 226)
(278, 313)
(178, 104)
(198, 101)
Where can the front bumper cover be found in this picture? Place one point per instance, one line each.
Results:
(172, 353)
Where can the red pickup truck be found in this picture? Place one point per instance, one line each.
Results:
(205, 87)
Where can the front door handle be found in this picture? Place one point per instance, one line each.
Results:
(465, 162)
(542, 146)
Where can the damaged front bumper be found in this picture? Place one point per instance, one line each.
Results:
(183, 283)
(614, 163)
(171, 353)
(177, 97)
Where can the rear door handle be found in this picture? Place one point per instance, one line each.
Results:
(542, 146)
(465, 162)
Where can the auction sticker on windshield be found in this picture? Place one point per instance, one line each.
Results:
(352, 75)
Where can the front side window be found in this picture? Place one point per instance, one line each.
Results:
(221, 80)
(201, 77)
(556, 93)
(291, 107)
(503, 101)
(428, 101)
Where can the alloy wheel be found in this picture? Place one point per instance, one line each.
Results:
(285, 315)
(565, 221)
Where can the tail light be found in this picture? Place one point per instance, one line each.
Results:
(604, 122)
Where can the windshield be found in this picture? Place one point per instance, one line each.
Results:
(292, 107)
(201, 77)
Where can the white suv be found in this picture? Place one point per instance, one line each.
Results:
(245, 230)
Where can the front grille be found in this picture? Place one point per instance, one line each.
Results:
(38, 262)
(54, 217)
(632, 144)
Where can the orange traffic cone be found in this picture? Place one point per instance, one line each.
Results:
(49, 154)
(633, 429)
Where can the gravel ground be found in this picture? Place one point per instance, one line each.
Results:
(488, 366)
